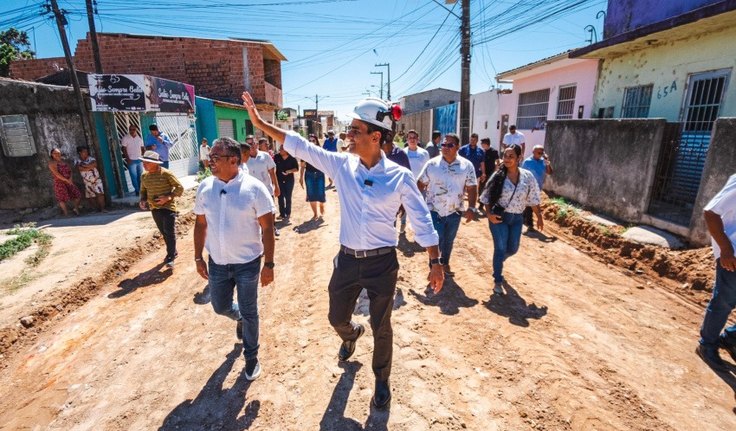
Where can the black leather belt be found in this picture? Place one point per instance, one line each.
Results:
(360, 254)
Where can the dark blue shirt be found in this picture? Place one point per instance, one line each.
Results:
(475, 155)
(399, 157)
(330, 145)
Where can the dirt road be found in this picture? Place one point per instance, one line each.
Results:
(575, 345)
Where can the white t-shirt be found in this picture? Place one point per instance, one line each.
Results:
(417, 160)
(513, 139)
(232, 210)
(446, 184)
(204, 152)
(132, 146)
(259, 166)
(724, 204)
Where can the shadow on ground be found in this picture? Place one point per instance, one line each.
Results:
(409, 248)
(334, 417)
(539, 236)
(215, 407)
(309, 226)
(513, 306)
(144, 279)
(451, 298)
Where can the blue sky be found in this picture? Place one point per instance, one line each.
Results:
(333, 45)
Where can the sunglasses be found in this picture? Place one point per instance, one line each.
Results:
(448, 145)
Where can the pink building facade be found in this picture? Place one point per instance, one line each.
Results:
(555, 88)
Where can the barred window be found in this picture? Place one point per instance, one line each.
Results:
(566, 102)
(636, 101)
(533, 107)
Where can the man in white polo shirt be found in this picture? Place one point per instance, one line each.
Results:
(132, 146)
(445, 180)
(262, 167)
(417, 155)
(235, 224)
(371, 188)
(514, 138)
(720, 218)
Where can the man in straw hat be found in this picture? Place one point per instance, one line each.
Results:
(159, 188)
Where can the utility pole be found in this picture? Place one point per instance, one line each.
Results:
(316, 110)
(93, 36)
(465, 74)
(60, 22)
(387, 65)
(381, 87)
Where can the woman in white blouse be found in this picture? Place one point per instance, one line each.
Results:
(507, 193)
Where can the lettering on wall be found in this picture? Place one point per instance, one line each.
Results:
(666, 90)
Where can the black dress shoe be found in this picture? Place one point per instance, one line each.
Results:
(348, 347)
(382, 396)
(728, 344)
(709, 355)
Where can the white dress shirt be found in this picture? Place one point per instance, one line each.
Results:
(724, 204)
(510, 139)
(232, 210)
(446, 184)
(417, 160)
(369, 198)
(259, 166)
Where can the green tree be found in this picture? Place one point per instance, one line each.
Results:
(14, 45)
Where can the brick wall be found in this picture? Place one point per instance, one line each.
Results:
(31, 70)
(214, 67)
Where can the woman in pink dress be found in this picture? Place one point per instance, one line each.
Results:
(64, 188)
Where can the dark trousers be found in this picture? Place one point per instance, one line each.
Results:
(377, 275)
(286, 187)
(528, 217)
(166, 223)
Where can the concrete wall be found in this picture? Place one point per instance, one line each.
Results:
(216, 68)
(55, 122)
(421, 122)
(581, 73)
(608, 165)
(667, 67)
(626, 15)
(484, 115)
(239, 116)
(719, 165)
(437, 97)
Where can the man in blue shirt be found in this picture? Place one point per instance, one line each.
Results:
(330, 144)
(160, 143)
(475, 154)
(538, 164)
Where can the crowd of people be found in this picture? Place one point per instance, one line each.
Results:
(380, 186)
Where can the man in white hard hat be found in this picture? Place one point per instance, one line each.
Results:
(371, 189)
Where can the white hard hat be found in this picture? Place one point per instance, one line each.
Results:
(377, 112)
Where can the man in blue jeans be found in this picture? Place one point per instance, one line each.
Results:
(235, 224)
(720, 217)
(446, 179)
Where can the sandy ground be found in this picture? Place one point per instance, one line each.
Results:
(576, 344)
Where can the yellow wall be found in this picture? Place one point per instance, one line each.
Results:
(667, 66)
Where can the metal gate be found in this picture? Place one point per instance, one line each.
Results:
(682, 158)
(183, 156)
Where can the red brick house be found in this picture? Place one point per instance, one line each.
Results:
(218, 69)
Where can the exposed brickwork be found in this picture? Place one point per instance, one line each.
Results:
(214, 67)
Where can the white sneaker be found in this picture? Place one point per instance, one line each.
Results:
(255, 372)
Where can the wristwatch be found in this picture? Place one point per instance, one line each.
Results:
(269, 265)
(435, 261)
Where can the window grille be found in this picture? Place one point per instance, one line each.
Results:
(532, 110)
(566, 102)
(637, 101)
(16, 136)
